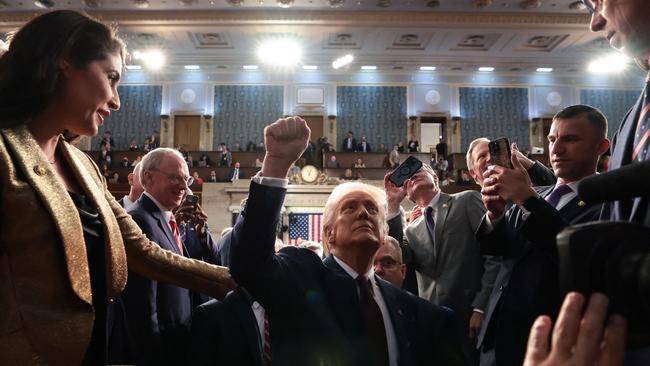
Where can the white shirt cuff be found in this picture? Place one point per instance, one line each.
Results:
(270, 181)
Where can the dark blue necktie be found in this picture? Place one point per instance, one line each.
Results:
(642, 132)
(560, 190)
(431, 225)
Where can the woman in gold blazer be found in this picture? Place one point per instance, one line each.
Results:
(60, 74)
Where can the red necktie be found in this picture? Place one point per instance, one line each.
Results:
(642, 132)
(177, 234)
(266, 348)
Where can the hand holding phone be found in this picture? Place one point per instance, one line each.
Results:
(405, 171)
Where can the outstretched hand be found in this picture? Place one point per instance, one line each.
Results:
(285, 140)
(578, 340)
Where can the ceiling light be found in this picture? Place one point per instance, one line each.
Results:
(342, 61)
(141, 4)
(250, 67)
(309, 67)
(616, 62)
(427, 68)
(368, 67)
(44, 4)
(275, 52)
(285, 3)
(486, 68)
(544, 69)
(192, 67)
(152, 59)
(92, 3)
(336, 3)
(133, 67)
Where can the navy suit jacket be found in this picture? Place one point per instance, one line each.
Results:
(313, 305)
(637, 209)
(353, 144)
(360, 147)
(225, 333)
(527, 285)
(159, 314)
(195, 248)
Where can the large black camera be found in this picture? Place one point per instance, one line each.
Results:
(612, 257)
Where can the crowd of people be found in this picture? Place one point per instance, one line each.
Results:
(469, 278)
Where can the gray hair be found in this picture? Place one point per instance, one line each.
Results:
(154, 158)
(470, 150)
(136, 171)
(389, 240)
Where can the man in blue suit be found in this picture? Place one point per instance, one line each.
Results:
(159, 314)
(524, 235)
(336, 311)
(626, 24)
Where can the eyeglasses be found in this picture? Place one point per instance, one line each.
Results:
(175, 178)
(387, 262)
(592, 5)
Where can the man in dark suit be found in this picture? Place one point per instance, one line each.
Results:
(524, 235)
(159, 314)
(349, 143)
(441, 246)
(336, 311)
(226, 333)
(234, 173)
(627, 26)
(364, 146)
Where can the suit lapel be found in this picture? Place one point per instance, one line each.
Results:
(116, 272)
(623, 138)
(153, 209)
(442, 209)
(31, 161)
(402, 321)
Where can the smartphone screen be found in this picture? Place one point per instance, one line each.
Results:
(405, 171)
(191, 200)
(500, 152)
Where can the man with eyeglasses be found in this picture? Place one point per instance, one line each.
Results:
(626, 25)
(159, 314)
(388, 262)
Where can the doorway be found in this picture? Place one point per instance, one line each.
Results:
(432, 130)
(187, 132)
(315, 124)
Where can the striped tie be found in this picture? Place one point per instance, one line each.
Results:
(266, 347)
(642, 134)
(177, 234)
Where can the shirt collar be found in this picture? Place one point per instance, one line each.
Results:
(432, 203)
(166, 213)
(351, 272)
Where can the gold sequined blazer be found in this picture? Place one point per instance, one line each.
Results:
(46, 316)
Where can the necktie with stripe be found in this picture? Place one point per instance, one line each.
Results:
(642, 132)
(177, 234)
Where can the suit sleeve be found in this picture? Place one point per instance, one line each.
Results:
(140, 298)
(475, 209)
(396, 230)
(445, 340)
(148, 259)
(253, 263)
(540, 175)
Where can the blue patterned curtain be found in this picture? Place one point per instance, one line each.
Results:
(613, 103)
(377, 112)
(138, 117)
(494, 112)
(242, 111)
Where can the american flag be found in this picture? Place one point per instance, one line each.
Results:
(305, 226)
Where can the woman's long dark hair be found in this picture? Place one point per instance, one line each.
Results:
(30, 73)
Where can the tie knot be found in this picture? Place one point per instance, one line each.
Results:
(562, 189)
(362, 281)
(172, 221)
(429, 210)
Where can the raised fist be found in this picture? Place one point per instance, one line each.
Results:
(285, 140)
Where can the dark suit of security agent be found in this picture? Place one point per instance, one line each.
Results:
(525, 235)
(315, 307)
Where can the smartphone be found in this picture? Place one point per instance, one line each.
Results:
(500, 152)
(405, 171)
(191, 200)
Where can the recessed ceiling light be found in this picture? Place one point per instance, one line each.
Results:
(192, 67)
(609, 64)
(544, 69)
(342, 61)
(250, 67)
(486, 68)
(368, 67)
(274, 52)
(427, 68)
(133, 67)
(45, 4)
(152, 59)
(309, 67)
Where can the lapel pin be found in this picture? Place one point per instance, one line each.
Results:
(582, 203)
(444, 205)
(399, 311)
